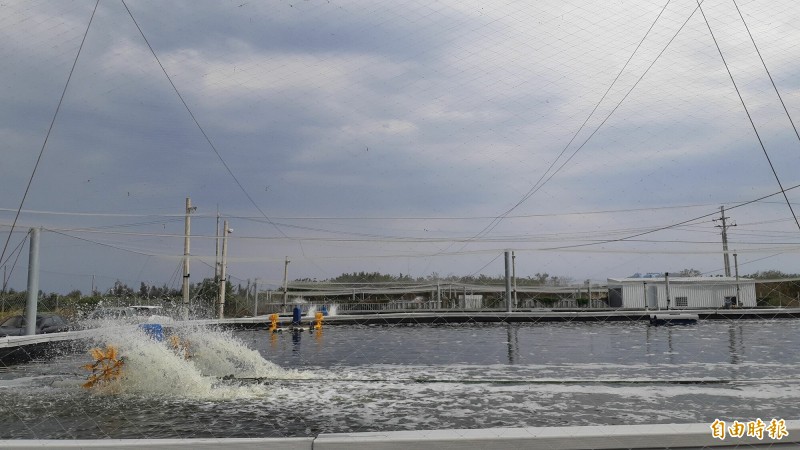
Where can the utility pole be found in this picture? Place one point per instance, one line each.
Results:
(187, 230)
(285, 282)
(725, 227)
(255, 297)
(223, 269)
(514, 276)
(216, 251)
(508, 280)
(736, 266)
(247, 292)
(3, 291)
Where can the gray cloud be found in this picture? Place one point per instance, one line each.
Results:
(391, 111)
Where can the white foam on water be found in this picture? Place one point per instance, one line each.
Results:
(16, 383)
(156, 368)
(220, 354)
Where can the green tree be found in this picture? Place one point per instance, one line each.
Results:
(689, 273)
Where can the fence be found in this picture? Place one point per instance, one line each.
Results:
(366, 299)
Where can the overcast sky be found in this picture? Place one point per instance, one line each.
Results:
(386, 136)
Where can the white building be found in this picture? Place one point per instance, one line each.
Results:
(684, 293)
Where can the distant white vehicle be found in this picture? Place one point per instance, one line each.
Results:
(136, 314)
(146, 310)
(151, 314)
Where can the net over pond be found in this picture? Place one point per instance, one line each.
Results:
(200, 382)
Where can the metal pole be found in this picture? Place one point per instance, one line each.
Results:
(33, 284)
(508, 280)
(223, 269)
(187, 229)
(666, 286)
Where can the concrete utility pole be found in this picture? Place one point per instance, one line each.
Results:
(736, 266)
(725, 227)
(255, 297)
(508, 280)
(666, 286)
(187, 231)
(33, 284)
(589, 293)
(216, 249)
(285, 282)
(223, 269)
(514, 277)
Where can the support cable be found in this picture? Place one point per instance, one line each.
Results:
(536, 186)
(18, 250)
(197, 123)
(749, 117)
(49, 130)
(786, 110)
(539, 184)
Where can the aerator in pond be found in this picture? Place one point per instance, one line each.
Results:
(107, 367)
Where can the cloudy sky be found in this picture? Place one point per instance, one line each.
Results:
(389, 136)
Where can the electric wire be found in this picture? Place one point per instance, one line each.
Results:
(101, 243)
(179, 217)
(684, 222)
(49, 130)
(486, 265)
(749, 117)
(404, 239)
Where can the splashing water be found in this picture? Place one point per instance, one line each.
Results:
(156, 368)
(312, 310)
(220, 354)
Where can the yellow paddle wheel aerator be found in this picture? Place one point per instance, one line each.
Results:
(180, 346)
(107, 366)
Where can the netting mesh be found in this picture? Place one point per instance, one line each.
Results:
(376, 161)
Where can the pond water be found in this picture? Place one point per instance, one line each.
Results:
(249, 383)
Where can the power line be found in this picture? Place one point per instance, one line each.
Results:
(365, 218)
(684, 222)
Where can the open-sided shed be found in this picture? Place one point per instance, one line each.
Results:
(684, 293)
